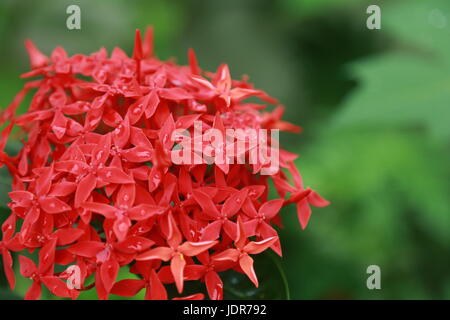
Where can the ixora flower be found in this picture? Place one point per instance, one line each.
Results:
(94, 187)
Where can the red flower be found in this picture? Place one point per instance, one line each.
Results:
(7, 244)
(43, 274)
(176, 252)
(154, 289)
(242, 251)
(221, 219)
(259, 224)
(208, 271)
(95, 187)
(301, 197)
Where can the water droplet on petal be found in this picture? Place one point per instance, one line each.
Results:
(122, 227)
(143, 154)
(99, 155)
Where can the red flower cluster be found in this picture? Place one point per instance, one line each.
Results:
(94, 185)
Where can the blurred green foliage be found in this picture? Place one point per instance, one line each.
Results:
(374, 105)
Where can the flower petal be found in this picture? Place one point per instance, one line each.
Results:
(191, 249)
(258, 247)
(84, 189)
(234, 203)
(53, 205)
(105, 210)
(144, 211)
(34, 292)
(226, 255)
(128, 287)
(114, 175)
(246, 263)
(206, 203)
(66, 236)
(177, 265)
(214, 285)
(27, 267)
(109, 271)
(160, 253)
(87, 249)
(56, 286)
(270, 208)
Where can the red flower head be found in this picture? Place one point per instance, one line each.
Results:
(96, 185)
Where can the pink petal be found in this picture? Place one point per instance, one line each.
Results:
(121, 227)
(246, 263)
(84, 189)
(258, 247)
(266, 231)
(316, 200)
(128, 287)
(303, 212)
(226, 255)
(144, 211)
(105, 210)
(214, 285)
(27, 267)
(53, 205)
(157, 290)
(66, 236)
(126, 196)
(134, 244)
(86, 249)
(37, 58)
(160, 253)
(56, 286)
(212, 231)
(194, 248)
(270, 208)
(7, 267)
(34, 292)
(114, 175)
(109, 271)
(234, 203)
(206, 203)
(47, 256)
(231, 229)
(177, 267)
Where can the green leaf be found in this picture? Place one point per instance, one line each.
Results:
(380, 184)
(411, 87)
(400, 90)
(424, 25)
(307, 7)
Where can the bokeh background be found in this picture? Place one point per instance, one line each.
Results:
(374, 105)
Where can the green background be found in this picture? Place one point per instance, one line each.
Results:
(374, 105)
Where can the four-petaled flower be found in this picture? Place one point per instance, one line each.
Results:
(176, 252)
(241, 252)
